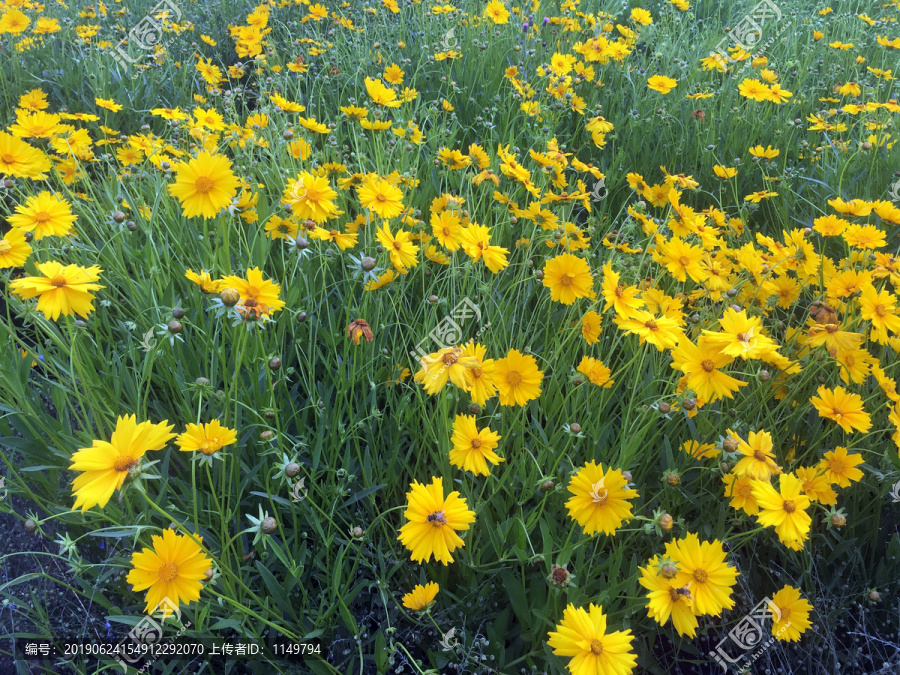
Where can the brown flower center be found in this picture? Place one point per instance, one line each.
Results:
(837, 466)
(168, 571)
(700, 576)
(708, 365)
(476, 443)
(8, 159)
(513, 378)
(744, 490)
(759, 456)
(437, 519)
(651, 324)
(565, 280)
(596, 647)
(124, 462)
(58, 281)
(203, 184)
(789, 506)
(41, 217)
(785, 613)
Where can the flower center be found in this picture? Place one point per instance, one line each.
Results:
(745, 491)
(684, 261)
(124, 462)
(700, 576)
(599, 493)
(8, 159)
(451, 358)
(203, 184)
(785, 613)
(58, 281)
(41, 217)
(476, 443)
(837, 467)
(708, 365)
(168, 571)
(381, 199)
(513, 378)
(596, 647)
(789, 506)
(437, 519)
(759, 456)
(651, 324)
(566, 280)
(5, 246)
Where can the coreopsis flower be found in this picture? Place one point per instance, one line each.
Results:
(843, 407)
(815, 484)
(741, 336)
(207, 438)
(792, 615)
(660, 331)
(106, 464)
(517, 378)
(641, 16)
(481, 376)
(359, 328)
(667, 599)
(595, 372)
(172, 571)
(840, 468)
(399, 247)
(724, 172)
(699, 450)
(568, 277)
(582, 636)
(600, 501)
(476, 243)
(662, 84)
(703, 571)
(433, 522)
(14, 250)
(449, 363)
(258, 297)
(380, 94)
(44, 215)
(421, 597)
(591, 327)
(784, 510)
(623, 300)
(701, 364)
(496, 12)
(311, 198)
(60, 289)
(205, 185)
(758, 461)
(879, 308)
(446, 229)
(473, 448)
(740, 490)
(204, 281)
(380, 196)
(20, 160)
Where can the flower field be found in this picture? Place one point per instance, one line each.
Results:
(491, 336)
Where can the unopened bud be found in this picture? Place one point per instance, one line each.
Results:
(269, 525)
(668, 571)
(357, 532)
(838, 520)
(291, 470)
(30, 525)
(664, 408)
(547, 485)
(266, 435)
(729, 444)
(666, 521)
(230, 297)
(673, 479)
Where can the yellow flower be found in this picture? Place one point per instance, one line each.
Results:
(591, 327)
(311, 197)
(204, 281)
(740, 490)
(259, 298)
(785, 510)
(840, 468)
(662, 84)
(600, 499)
(14, 250)
(60, 289)
(382, 197)
(380, 94)
(667, 599)
(449, 363)
(208, 438)
(473, 449)
(843, 407)
(703, 571)
(106, 464)
(480, 377)
(582, 636)
(496, 12)
(623, 300)
(568, 277)
(701, 364)
(420, 597)
(432, 522)
(517, 378)
(791, 614)
(596, 372)
(758, 460)
(171, 570)
(45, 215)
(724, 172)
(20, 160)
(399, 247)
(205, 185)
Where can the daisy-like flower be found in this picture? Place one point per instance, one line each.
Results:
(843, 407)
(517, 378)
(106, 464)
(205, 185)
(724, 172)
(699, 450)
(61, 289)
(792, 615)
(496, 12)
(595, 372)
(449, 363)
(568, 277)
(399, 247)
(170, 572)
(14, 250)
(473, 449)
(207, 438)
(421, 597)
(662, 84)
(600, 499)
(660, 331)
(703, 570)
(815, 485)
(582, 636)
(701, 364)
(20, 160)
(591, 327)
(446, 229)
(476, 243)
(785, 510)
(380, 196)
(667, 599)
(45, 215)
(380, 94)
(204, 281)
(840, 468)
(481, 376)
(758, 460)
(740, 490)
(258, 297)
(311, 197)
(621, 299)
(432, 522)
(741, 336)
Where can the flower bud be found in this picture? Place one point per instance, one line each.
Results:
(174, 327)
(30, 525)
(673, 479)
(208, 575)
(874, 596)
(266, 435)
(547, 485)
(627, 476)
(689, 403)
(291, 470)
(575, 428)
(274, 363)
(838, 520)
(357, 532)
(729, 444)
(666, 521)
(230, 297)
(664, 408)
(668, 571)
(269, 525)
(367, 264)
